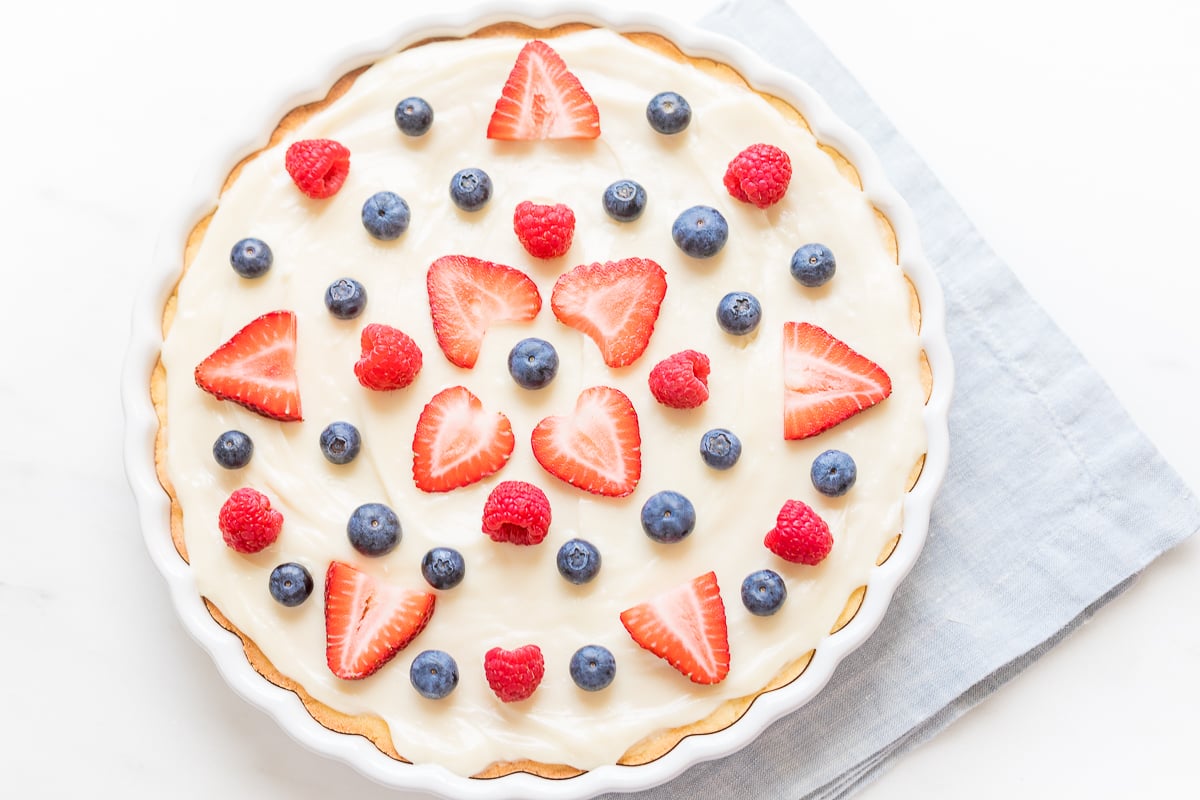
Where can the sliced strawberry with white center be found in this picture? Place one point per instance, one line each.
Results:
(257, 368)
(457, 442)
(686, 627)
(467, 295)
(825, 382)
(542, 99)
(615, 303)
(598, 448)
(367, 621)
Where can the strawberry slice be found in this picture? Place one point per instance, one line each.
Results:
(542, 99)
(825, 382)
(457, 442)
(615, 303)
(367, 621)
(686, 627)
(257, 368)
(466, 295)
(598, 448)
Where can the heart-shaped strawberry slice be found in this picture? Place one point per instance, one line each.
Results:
(598, 448)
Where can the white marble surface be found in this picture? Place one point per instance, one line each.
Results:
(1066, 129)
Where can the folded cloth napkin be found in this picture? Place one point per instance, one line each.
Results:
(975, 610)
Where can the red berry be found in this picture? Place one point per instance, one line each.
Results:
(514, 674)
(516, 512)
(799, 535)
(318, 166)
(542, 99)
(759, 174)
(390, 358)
(681, 380)
(247, 521)
(544, 231)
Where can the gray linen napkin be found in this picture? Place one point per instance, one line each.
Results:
(975, 610)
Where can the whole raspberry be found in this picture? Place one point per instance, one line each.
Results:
(799, 535)
(544, 231)
(681, 380)
(247, 521)
(318, 166)
(516, 512)
(759, 174)
(514, 674)
(390, 358)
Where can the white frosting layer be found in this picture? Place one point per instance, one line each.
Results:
(511, 595)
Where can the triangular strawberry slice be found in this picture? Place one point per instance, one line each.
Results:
(598, 448)
(542, 99)
(615, 303)
(686, 627)
(257, 368)
(467, 295)
(367, 621)
(457, 442)
(825, 382)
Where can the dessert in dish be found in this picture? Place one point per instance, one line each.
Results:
(538, 399)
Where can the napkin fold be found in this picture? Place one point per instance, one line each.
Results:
(1036, 526)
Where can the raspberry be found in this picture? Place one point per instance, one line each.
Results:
(514, 674)
(681, 381)
(544, 231)
(390, 358)
(318, 166)
(799, 535)
(516, 512)
(759, 174)
(247, 521)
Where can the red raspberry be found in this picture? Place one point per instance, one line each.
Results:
(681, 380)
(516, 512)
(799, 535)
(390, 358)
(759, 174)
(318, 166)
(544, 231)
(514, 674)
(247, 521)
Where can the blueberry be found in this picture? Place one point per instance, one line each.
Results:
(667, 112)
(625, 201)
(291, 584)
(813, 264)
(578, 561)
(340, 442)
(668, 517)
(251, 258)
(593, 667)
(700, 231)
(345, 298)
(414, 116)
(233, 449)
(533, 363)
(385, 215)
(374, 529)
(470, 188)
(443, 567)
(833, 473)
(434, 674)
(763, 592)
(739, 313)
(720, 448)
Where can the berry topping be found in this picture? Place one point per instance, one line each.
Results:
(443, 567)
(686, 627)
(367, 621)
(514, 674)
(533, 363)
(598, 448)
(373, 529)
(668, 112)
(681, 380)
(763, 592)
(720, 448)
(390, 358)
(290, 584)
(760, 174)
(318, 166)
(593, 667)
(624, 201)
(578, 561)
(414, 116)
(470, 189)
(385, 215)
(800, 535)
(256, 368)
(516, 512)
(825, 382)
(340, 442)
(833, 473)
(668, 517)
(345, 298)
(739, 313)
(544, 231)
(251, 258)
(434, 674)
(614, 303)
(700, 231)
(542, 99)
(248, 523)
(813, 264)
(233, 449)
(467, 295)
(457, 442)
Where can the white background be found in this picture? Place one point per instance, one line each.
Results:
(1067, 129)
